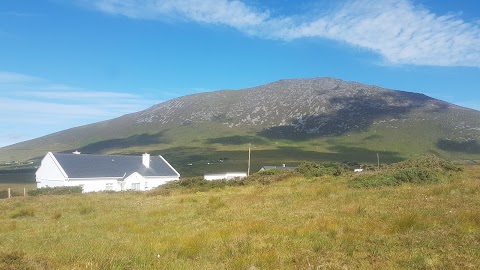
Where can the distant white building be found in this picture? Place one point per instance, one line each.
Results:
(283, 167)
(104, 172)
(226, 176)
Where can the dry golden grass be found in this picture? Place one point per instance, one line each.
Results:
(318, 223)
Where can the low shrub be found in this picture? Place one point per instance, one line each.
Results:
(312, 169)
(55, 191)
(193, 184)
(416, 175)
(427, 162)
(425, 169)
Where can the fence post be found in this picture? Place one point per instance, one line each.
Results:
(9, 194)
(24, 192)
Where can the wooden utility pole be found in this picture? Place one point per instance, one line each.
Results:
(248, 169)
(378, 161)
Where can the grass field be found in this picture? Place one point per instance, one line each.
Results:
(298, 223)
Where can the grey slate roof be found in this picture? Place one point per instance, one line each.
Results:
(91, 166)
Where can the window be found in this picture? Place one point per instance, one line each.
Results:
(136, 186)
(109, 186)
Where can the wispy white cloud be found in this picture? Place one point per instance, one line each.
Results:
(400, 31)
(232, 13)
(32, 106)
(12, 77)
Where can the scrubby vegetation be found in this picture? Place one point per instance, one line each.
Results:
(265, 177)
(199, 184)
(425, 169)
(13, 193)
(312, 169)
(194, 184)
(55, 191)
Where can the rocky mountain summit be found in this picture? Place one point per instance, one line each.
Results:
(321, 106)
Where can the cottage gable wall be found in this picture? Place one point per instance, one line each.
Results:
(50, 173)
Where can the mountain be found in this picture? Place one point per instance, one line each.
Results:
(284, 122)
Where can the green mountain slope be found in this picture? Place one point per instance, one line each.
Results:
(287, 121)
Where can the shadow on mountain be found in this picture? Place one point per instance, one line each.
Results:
(132, 141)
(354, 113)
(374, 137)
(440, 107)
(365, 155)
(467, 147)
(237, 140)
(186, 155)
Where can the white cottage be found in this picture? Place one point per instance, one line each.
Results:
(104, 172)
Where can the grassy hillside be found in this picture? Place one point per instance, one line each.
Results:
(298, 223)
(285, 122)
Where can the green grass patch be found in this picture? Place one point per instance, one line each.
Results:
(295, 223)
(23, 212)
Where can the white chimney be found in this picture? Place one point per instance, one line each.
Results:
(146, 160)
(76, 152)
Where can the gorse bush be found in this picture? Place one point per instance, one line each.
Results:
(425, 169)
(312, 169)
(55, 191)
(427, 162)
(193, 184)
(416, 175)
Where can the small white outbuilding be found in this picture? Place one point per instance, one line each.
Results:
(104, 172)
(225, 176)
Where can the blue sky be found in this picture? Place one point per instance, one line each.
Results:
(65, 63)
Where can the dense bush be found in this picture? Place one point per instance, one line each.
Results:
(193, 184)
(427, 162)
(55, 191)
(425, 169)
(312, 169)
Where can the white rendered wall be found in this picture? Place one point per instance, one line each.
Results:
(49, 174)
(94, 185)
